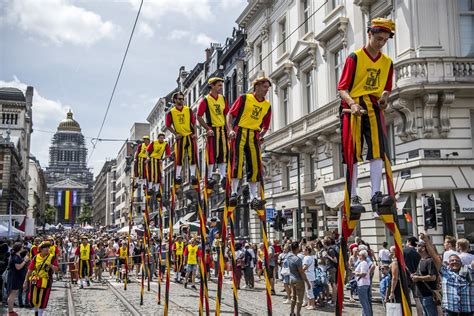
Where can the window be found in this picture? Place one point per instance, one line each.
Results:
(466, 27)
(338, 64)
(282, 43)
(259, 56)
(308, 93)
(285, 176)
(312, 174)
(337, 161)
(335, 3)
(285, 111)
(306, 14)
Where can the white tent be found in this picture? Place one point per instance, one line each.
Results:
(13, 233)
(124, 230)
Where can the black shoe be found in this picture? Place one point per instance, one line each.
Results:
(233, 199)
(193, 287)
(178, 181)
(194, 180)
(273, 292)
(211, 183)
(257, 204)
(224, 183)
(382, 202)
(356, 205)
(185, 285)
(88, 283)
(81, 286)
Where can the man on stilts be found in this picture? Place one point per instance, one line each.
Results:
(248, 122)
(140, 161)
(178, 254)
(84, 255)
(215, 108)
(181, 122)
(157, 151)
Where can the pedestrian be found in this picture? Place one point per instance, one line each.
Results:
(384, 254)
(15, 275)
(22, 293)
(457, 281)
(71, 258)
(285, 272)
(385, 280)
(425, 279)
(249, 256)
(271, 267)
(412, 260)
(297, 279)
(330, 256)
(99, 262)
(462, 246)
(362, 274)
(309, 269)
(137, 257)
(191, 259)
(4, 259)
(449, 248)
(216, 250)
(111, 254)
(40, 274)
(240, 263)
(353, 260)
(260, 256)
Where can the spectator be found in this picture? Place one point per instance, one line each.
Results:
(412, 259)
(394, 293)
(239, 258)
(15, 266)
(384, 254)
(308, 268)
(462, 247)
(330, 257)
(384, 281)
(353, 260)
(4, 256)
(362, 273)
(457, 282)
(286, 276)
(249, 256)
(297, 279)
(71, 258)
(278, 251)
(449, 248)
(260, 256)
(425, 281)
(23, 298)
(271, 267)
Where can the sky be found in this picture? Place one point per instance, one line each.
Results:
(70, 52)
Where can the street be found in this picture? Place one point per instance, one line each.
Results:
(109, 298)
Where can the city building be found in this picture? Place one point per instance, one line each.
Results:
(123, 176)
(103, 196)
(69, 180)
(36, 195)
(302, 46)
(15, 129)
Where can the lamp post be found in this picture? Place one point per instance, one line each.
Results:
(298, 211)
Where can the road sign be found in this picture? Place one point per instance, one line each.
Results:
(270, 214)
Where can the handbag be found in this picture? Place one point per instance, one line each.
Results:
(393, 309)
(285, 271)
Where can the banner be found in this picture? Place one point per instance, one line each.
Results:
(67, 205)
(60, 198)
(74, 198)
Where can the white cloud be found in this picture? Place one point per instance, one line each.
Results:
(58, 21)
(155, 9)
(46, 113)
(200, 39)
(145, 30)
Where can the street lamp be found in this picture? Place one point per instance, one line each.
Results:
(298, 211)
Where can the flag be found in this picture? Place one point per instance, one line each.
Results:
(67, 205)
(408, 217)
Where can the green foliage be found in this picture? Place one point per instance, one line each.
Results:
(86, 214)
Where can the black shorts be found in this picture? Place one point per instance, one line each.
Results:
(270, 271)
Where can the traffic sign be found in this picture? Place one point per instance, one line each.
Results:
(270, 214)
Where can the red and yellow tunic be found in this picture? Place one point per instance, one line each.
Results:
(156, 150)
(140, 158)
(215, 109)
(250, 113)
(182, 120)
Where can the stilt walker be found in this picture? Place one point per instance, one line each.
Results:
(248, 121)
(130, 224)
(365, 86)
(174, 187)
(215, 108)
(160, 215)
(146, 222)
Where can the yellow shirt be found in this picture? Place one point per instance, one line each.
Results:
(370, 77)
(192, 254)
(179, 248)
(42, 274)
(85, 252)
(215, 111)
(142, 153)
(158, 149)
(253, 112)
(182, 120)
(123, 252)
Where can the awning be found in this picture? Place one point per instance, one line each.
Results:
(401, 201)
(333, 199)
(187, 217)
(465, 200)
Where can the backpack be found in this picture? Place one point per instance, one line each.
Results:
(321, 276)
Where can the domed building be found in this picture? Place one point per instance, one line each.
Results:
(69, 180)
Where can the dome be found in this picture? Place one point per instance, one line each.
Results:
(69, 124)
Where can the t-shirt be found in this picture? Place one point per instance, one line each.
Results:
(447, 254)
(466, 258)
(412, 258)
(331, 252)
(294, 263)
(384, 255)
(310, 273)
(426, 267)
(16, 274)
(363, 267)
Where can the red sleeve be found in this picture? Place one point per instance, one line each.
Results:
(138, 150)
(169, 120)
(347, 77)
(77, 251)
(31, 265)
(266, 120)
(55, 262)
(149, 149)
(193, 117)
(185, 253)
(57, 251)
(168, 150)
(35, 251)
(173, 247)
(234, 111)
(388, 85)
(202, 107)
(226, 109)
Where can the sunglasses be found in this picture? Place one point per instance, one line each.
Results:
(180, 99)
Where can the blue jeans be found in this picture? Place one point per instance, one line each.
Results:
(429, 306)
(363, 292)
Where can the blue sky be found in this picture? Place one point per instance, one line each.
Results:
(70, 52)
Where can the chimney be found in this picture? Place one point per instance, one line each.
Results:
(208, 54)
(29, 95)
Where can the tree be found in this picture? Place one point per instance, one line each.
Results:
(49, 215)
(86, 214)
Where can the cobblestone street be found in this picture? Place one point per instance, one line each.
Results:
(109, 298)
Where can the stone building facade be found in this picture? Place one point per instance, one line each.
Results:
(103, 196)
(36, 192)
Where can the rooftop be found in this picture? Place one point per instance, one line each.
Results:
(12, 94)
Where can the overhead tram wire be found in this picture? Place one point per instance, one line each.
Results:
(87, 137)
(116, 82)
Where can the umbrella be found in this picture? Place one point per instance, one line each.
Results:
(13, 232)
